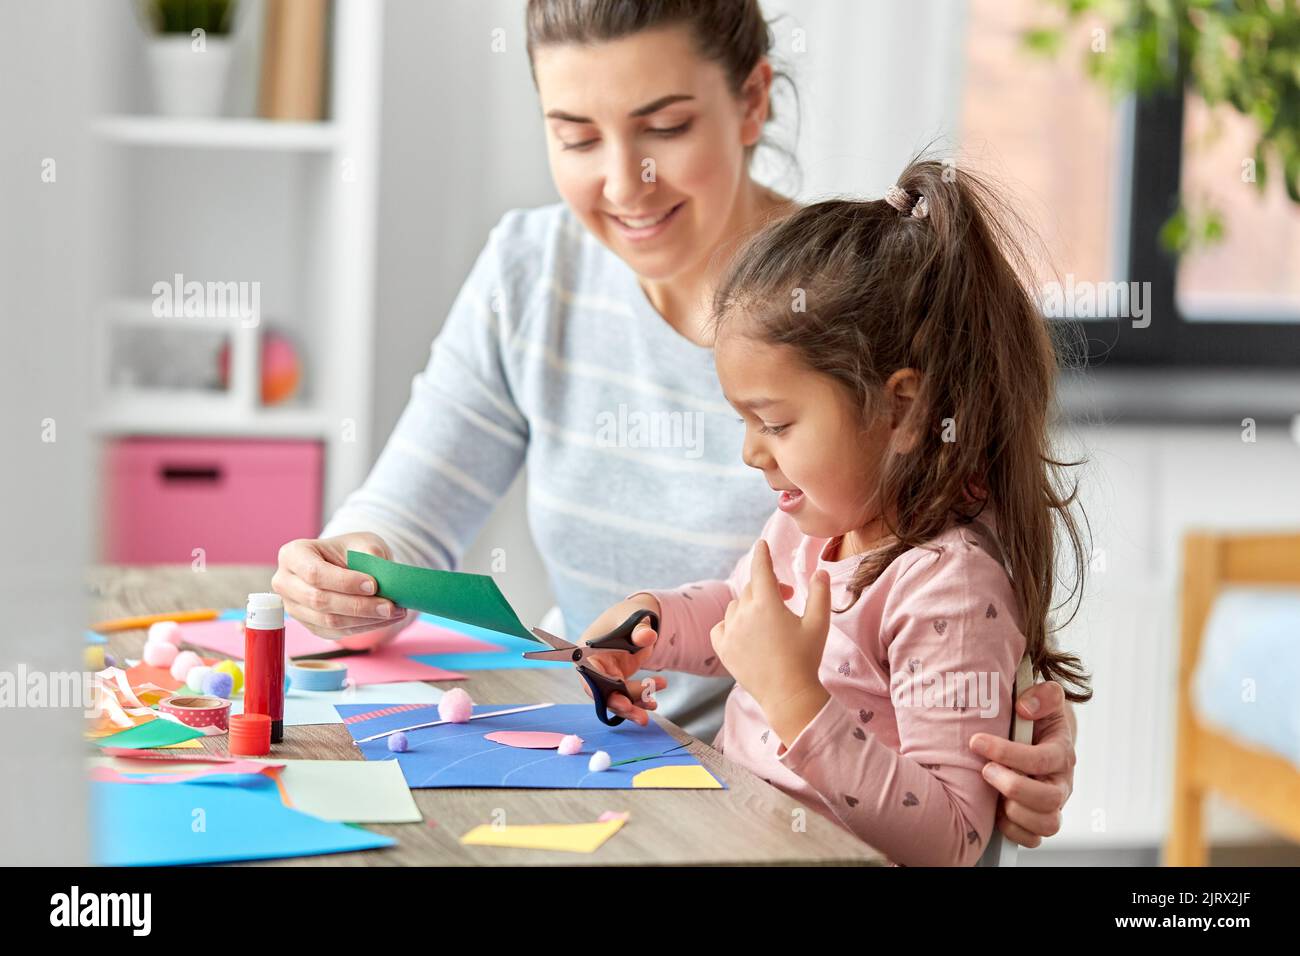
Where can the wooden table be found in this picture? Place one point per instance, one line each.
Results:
(751, 822)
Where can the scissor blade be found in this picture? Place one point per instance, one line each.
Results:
(561, 650)
(546, 637)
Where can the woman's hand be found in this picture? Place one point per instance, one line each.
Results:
(328, 598)
(620, 664)
(1036, 779)
(773, 653)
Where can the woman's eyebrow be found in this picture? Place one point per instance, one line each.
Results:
(652, 107)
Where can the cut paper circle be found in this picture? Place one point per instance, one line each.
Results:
(690, 777)
(526, 739)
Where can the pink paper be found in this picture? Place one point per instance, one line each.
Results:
(132, 753)
(420, 637)
(109, 775)
(527, 739)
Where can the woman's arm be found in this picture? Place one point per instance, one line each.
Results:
(461, 439)
(455, 450)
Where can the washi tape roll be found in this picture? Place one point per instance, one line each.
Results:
(317, 675)
(208, 714)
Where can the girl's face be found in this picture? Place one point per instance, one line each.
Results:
(647, 144)
(804, 432)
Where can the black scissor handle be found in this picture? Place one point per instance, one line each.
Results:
(620, 639)
(601, 687)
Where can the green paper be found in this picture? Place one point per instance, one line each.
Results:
(158, 732)
(468, 598)
(350, 791)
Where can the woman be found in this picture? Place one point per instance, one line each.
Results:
(578, 346)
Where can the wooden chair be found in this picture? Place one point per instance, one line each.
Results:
(1001, 851)
(1264, 784)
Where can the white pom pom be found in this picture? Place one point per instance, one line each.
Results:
(599, 762)
(166, 632)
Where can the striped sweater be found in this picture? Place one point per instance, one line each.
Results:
(552, 357)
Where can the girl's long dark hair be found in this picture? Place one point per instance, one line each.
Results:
(946, 294)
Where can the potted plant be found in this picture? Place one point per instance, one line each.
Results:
(189, 54)
(1242, 54)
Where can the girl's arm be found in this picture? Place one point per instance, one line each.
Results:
(952, 642)
(687, 614)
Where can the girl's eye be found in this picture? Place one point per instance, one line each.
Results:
(773, 429)
(669, 131)
(582, 145)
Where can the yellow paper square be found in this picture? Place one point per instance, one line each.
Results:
(569, 837)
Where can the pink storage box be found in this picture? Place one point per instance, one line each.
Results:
(237, 500)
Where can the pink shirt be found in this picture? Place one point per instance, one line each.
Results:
(924, 659)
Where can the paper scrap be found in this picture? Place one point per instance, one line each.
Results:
(687, 777)
(526, 739)
(350, 791)
(470, 598)
(153, 733)
(567, 837)
(154, 826)
(302, 707)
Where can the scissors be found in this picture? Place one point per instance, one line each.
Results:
(619, 639)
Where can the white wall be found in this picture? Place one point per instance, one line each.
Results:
(45, 50)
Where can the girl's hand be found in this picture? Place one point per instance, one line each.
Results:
(328, 598)
(772, 652)
(622, 665)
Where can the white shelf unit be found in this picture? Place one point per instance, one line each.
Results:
(288, 205)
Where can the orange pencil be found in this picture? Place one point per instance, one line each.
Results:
(130, 623)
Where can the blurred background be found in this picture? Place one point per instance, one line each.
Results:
(330, 170)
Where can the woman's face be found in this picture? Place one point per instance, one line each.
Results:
(647, 144)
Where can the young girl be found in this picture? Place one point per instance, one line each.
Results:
(893, 374)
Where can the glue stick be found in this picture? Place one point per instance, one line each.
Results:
(264, 660)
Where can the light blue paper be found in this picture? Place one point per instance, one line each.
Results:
(303, 707)
(178, 823)
(509, 657)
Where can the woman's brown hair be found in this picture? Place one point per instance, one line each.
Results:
(940, 285)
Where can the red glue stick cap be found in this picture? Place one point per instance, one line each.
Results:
(250, 735)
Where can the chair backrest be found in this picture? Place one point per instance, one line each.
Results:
(1001, 851)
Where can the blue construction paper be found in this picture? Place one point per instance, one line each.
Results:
(231, 614)
(509, 657)
(154, 825)
(457, 755)
(94, 637)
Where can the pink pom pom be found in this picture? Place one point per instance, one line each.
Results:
(160, 654)
(599, 762)
(456, 706)
(185, 661)
(166, 632)
(570, 745)
(613, 815)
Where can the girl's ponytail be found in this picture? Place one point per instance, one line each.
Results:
(932, 277)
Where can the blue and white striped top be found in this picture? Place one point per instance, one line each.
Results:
(552, 356)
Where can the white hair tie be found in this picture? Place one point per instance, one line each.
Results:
(897, 197)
